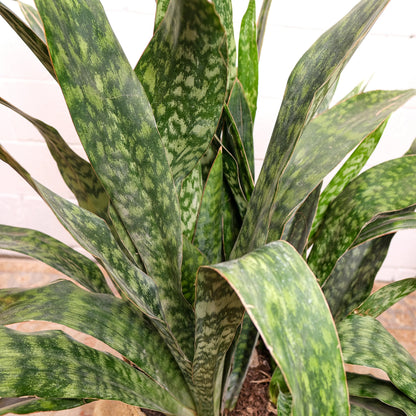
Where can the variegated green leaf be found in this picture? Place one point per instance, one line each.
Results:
(51, 364)
(111, 320)
(386, 224)
(189, 199)
(261, 23)
(192, 260)
(54, 253)
(297, 229)
(33, 19)
(25, 405)
(366, 342)
(161, 7)
(385, 187)
(309, 83)
(287, 306)
(360, 385)
(352, 279)
(248, 71)
(31, 39)
(333, 134)
(125, 150)
(239, 111)
(245, 344)
(183, 71)
(349, 170)
(387, 296)
(208, 231)
(218, 312)
(224, 9)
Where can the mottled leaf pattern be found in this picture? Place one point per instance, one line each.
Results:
(240, 115)
(31, 39)
(104, 317)
(208, 231)
(308, 84)
(218, 312)
(352, 279)
(333, 134)
(189, 199)
(282, 307)
(385, 187)
(385, 297)
(348, 171)
(224, 9)
(183, 71)
(365, 342)
(367, 386)
(97, 81)
(372, 407)
(248, 72)
(29, 366)
(22, 406)
(54, 253)
(161, 7)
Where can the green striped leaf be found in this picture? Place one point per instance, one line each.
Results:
(54, 253)
(224, 9)
(99, 84)
(325, 142)
(309, 83)
(24, 405)
(352, 279)
(208, 231)
(218, 313)
(370, 387)
(366, 342)
(287, 307)
(111, 320)
(387, 296)
(51, 364)
(185, 78)
(239, 111)
(189, 199)
(349, 170)
(262, 22)
(29, 37)
(248, 71)
(161, 7)
(385, 187)
(33, 19)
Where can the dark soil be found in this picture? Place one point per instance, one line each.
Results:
(254, 396)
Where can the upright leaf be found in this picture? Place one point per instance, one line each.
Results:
(262, 22)
(308, 85)
(161, 7)
(333, 134)
(287, 307)
(183, 71)
(124, 148)
(385, 187)
(349, 170)
(248, 71)
(32, 17)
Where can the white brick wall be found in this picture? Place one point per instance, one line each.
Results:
(387, 59)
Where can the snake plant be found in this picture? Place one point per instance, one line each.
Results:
(189, 258)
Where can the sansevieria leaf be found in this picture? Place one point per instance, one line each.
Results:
(183, 71)
(308, 85)
(53, 364)
(278, 307)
